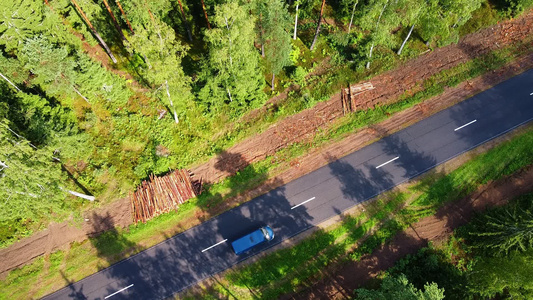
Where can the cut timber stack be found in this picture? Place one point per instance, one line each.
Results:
(349, 101)
(162, 194)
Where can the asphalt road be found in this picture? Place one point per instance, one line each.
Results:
(195, 254)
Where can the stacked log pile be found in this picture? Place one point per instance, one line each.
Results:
(349, 99)
(162, 194)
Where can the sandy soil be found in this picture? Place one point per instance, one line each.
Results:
(302, 127)
(340, 281)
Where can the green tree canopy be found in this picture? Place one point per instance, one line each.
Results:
(231, 73)
(503, 230)
(273, 25)
(399, 288)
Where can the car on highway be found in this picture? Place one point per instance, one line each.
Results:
(252, 239)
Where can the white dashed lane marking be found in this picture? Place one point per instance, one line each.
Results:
(387, 162)
(303, 203)
(464, 125)
(214, 245)
(118, 291)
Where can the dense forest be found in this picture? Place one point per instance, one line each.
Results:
(97, 95)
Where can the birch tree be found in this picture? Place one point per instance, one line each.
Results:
(318, 25)
(378, 19)
(409, 16)
(297, 3)
(163, 54)
(350, 5)
(231, 74)
(443, 18)
(29, 182)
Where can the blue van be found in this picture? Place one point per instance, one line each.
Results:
(247, 242)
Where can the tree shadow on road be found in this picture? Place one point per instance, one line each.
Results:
(74, 293)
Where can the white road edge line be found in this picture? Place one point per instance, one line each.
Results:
(118, 291)
(387, 162)
(303, 203)
(214, 245)
(464, 125)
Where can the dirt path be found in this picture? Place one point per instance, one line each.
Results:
(301, 127)
(339, 283)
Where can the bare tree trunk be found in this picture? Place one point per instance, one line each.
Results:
(319, 23)
(406, 38)
(376, 28)
(261, 34)
(369, 56)
(205, 13)
(11, 83)
(185, 21)
(228, 26)
(172, 104)
(124, 15)
(296, 20)
(114, 20)
(86, 197)
(351, 19)
(229, 94)
(78, 92)
(273, 76)
(94, 32)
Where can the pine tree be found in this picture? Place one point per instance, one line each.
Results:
(93, 30)
(504, 230)
(273, 27)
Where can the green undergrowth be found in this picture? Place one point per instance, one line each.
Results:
(287, 270)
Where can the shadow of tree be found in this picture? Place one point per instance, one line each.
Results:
(200, 252)
(242, 178)
(74, 293)
(110, 244)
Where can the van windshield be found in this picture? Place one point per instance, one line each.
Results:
(265, 233)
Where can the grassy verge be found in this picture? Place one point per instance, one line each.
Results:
(286, 270)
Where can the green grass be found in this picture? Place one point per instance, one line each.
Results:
(285, 270)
